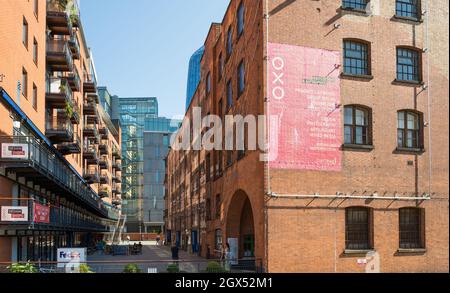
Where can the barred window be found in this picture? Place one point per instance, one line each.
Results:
(412, 228)
(356, 58)
(407, 8)
(357, 125)
(409, 130)
(358, 228)
(408, 65)
(355, 4)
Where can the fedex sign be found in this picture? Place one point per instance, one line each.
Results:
(71, 256)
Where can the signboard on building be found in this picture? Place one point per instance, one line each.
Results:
(14, 151)
(41, 213)
(304, 108)
(71, 257)
(14, 214)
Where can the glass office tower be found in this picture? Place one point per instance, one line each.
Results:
(194, 75)
(133, 112)
(156, 146)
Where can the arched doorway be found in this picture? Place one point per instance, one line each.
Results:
(240, 229)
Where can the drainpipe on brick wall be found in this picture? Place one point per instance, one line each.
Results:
(428, 52)
(267, 109)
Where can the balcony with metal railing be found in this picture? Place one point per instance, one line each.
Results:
(58, 93)
(116, 152)
(103, 163)
(70, 148)
(103, 148)
(33, 159)
(90, 84)
(90, 108)
(59, 20)
(91, 175)
(76, 114)
(90, 154)
(56, 217)
(90, 130)
(59, 56)
(59, 129)
(74, 80)
(104, 132)
(104, 191)
(74, 46)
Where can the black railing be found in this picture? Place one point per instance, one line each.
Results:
(38, 156)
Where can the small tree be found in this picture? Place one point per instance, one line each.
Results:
(132, 269)
(85, 269)
(18, 268)
(173, 268)
(215, 267)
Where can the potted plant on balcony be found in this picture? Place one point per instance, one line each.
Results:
(69, 110)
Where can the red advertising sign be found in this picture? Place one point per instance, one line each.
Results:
(305, 131)
(41, 213)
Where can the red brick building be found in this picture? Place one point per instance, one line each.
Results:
(359, 90)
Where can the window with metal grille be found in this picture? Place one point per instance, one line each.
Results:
(408, 65)
(356, 58)
(358, 228)
(355, 4)
(357, 125)
(409, 130)
(412, 231)
(407, 8)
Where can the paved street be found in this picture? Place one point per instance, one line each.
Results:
(152, 257)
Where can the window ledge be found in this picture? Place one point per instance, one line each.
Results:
(410, 150)
(357, 147)
(408, 83)
(412, 251)
(407, 19)
(358, 251)
(354, 11)
(356, 76)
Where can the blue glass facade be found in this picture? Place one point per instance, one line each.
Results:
(194, 75)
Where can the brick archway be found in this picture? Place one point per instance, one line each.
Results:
(240, 224)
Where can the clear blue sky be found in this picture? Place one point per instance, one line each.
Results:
(142, 47)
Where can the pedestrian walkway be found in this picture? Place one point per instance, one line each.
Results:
(152, 257)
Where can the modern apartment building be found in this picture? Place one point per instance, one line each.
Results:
(58, 146)
(132, 114)
(355, 100)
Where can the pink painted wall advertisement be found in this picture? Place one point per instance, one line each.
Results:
(305, 132)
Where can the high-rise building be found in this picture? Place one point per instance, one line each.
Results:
(157, 134)
(54, 177)
(193, 74)
(132, 113)
(355, 174)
